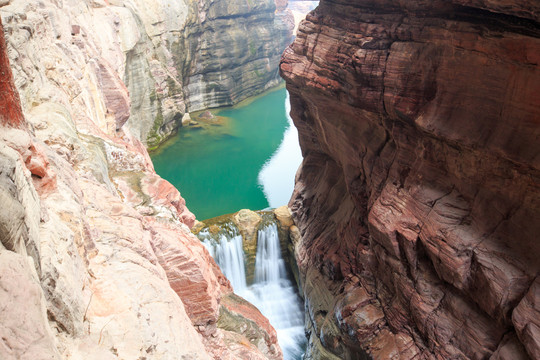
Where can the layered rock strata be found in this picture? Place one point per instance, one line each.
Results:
(97, 260)
(144, 62)
(232, 50)
(418, 193)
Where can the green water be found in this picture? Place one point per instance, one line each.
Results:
(216, 167)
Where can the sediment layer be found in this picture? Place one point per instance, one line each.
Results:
(143, 63)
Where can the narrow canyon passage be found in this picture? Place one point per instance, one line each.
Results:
(244, 157)
(412, 229)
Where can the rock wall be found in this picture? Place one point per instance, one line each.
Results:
(97, 260)
(146, 63)
(417, 197)
(232, 51)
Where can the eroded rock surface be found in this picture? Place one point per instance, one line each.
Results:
(416, 200)
(97, 260)
(146, 63)
(232, 50)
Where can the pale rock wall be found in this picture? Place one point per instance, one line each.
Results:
(144, 62)
(97, 259)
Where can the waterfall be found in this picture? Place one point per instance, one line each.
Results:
(229, 255)
(272, 292)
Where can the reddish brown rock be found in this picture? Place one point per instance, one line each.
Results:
(526, 319)
(10, 105)
(241, 317)
(418, 123)
(191, 271)
(164, 194)
(115, 92)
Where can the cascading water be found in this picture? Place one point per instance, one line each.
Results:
(272, 292)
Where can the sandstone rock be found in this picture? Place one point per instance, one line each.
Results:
(239, 316)
(24, 331)
(10, 106)
(284, 216)
(186, 119)
(510, 348)
(231, 51)
(120, 275)
(141, 63)
(248, 222)
(19, 221)
(206, 115)
(114, 91)
(417, 186)
(526, 319)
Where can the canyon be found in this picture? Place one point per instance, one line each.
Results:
(418, 198)
(415, 207)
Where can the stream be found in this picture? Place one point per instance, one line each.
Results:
(244, 157)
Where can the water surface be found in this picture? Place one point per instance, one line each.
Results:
(216, 167)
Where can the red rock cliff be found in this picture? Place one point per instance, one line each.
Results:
(10, 106)
(418, 197)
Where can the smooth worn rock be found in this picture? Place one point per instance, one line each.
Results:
(247, 222)
(186, 119)
(19, 222)
(24, 329)
(418, 124)
(241, 317)
(284, 216)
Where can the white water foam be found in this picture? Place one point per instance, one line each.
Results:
(272, 292)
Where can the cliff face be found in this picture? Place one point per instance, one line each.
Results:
(97, 260)
(418, 194)
(170, 57)
(232, 50)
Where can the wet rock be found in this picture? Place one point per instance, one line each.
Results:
(241, 317)
(248, 222)
(186, 119)
(283, 215)
(206, 115)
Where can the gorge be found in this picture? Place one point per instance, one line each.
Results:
(415, 232)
